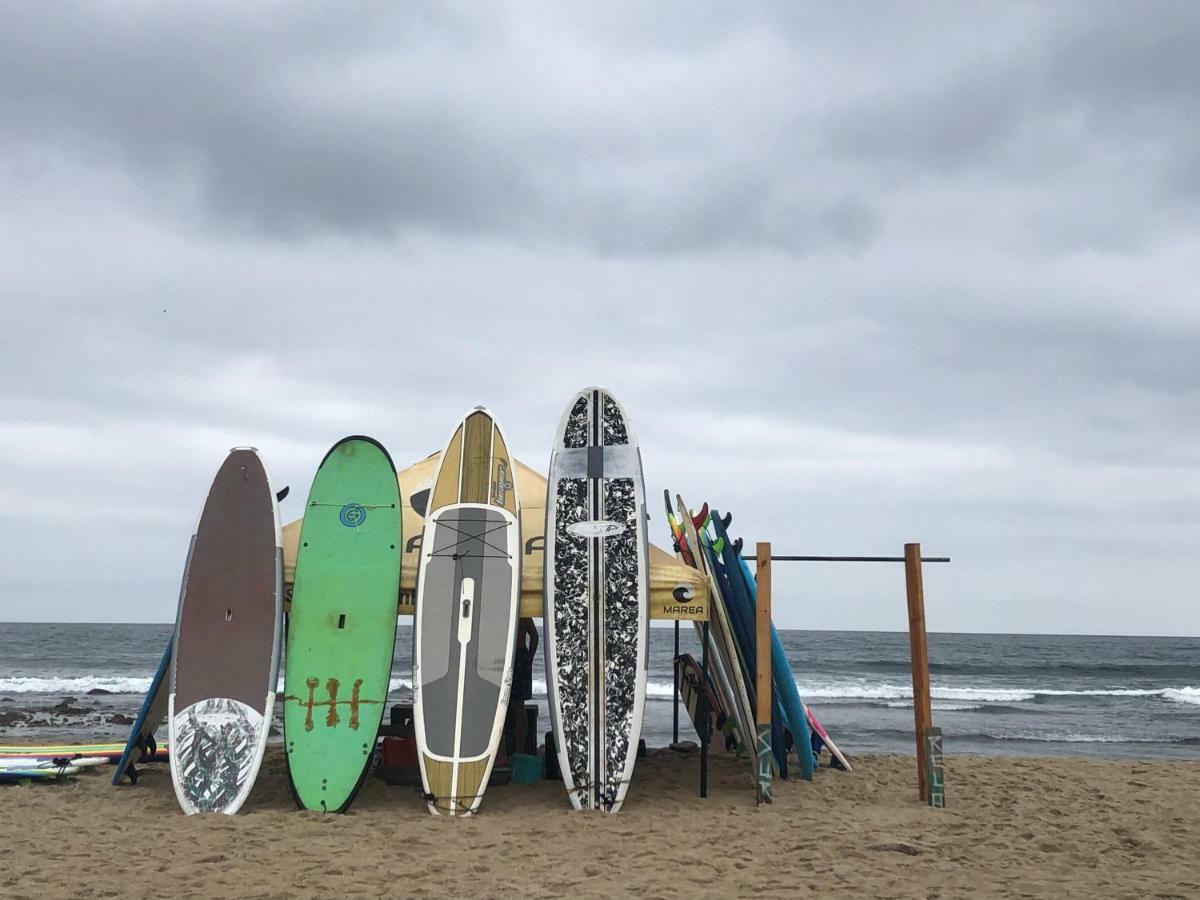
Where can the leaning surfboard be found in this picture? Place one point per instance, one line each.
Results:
(141, 741)
(342, 623)
(468, 598)
(226, 645)
(596, 591)
(723, 636)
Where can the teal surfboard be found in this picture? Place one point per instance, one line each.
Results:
(785, 685)
(787, 696)
(342, 624)
(141, 745)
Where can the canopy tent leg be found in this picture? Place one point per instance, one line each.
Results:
(675, 694)
(704, 713)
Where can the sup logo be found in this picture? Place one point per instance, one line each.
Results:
(597, 528)
(352, 515)
(503, 485)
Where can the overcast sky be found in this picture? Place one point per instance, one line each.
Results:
(896, 272)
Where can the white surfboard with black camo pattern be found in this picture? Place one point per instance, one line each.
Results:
(597, 589)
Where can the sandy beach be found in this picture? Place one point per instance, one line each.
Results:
(1013, 827)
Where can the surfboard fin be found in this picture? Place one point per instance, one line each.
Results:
(282, 493)
(420, 502)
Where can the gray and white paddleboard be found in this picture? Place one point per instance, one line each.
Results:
(468, 597)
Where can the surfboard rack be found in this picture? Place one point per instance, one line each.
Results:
(930, 768)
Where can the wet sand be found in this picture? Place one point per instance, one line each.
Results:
(1013, 827)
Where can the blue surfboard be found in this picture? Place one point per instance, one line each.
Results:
(785, 686)
(154, 711)
(741, 614)
(784, 682)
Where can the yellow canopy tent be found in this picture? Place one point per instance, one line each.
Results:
(666, 573)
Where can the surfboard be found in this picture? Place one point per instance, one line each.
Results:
(740, 608)
(785, 685)
(468, 599)
(691, 677)
(596, 593)
(33, 762)
(824, 735)
(45, 771)
(717, 667)
(342, 624)
(723, 636)
(112, 752)
(141, 741)
(226, 646)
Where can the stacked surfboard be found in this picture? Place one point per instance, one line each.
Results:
(704, 542)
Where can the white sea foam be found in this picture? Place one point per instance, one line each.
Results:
(861, 691)
(858, 691)
(1071, 737)
(33, 684)
(1190, 695)
(938, 706)
(893, 695)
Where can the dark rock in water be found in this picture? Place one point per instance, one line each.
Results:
(685, 746)
(274, 731)
(13, 718)
(6, 700)
(66, 709)
(97, 692)
(120, 719)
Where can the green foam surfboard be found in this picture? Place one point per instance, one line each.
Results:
(342, 625)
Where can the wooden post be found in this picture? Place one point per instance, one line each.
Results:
(922, 711)
(762, 680)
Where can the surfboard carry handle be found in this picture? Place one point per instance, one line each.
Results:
(464, 622)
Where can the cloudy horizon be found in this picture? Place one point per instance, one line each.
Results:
(860, 276)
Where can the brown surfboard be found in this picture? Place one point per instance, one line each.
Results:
(226, 659)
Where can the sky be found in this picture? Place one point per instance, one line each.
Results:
(861, 276)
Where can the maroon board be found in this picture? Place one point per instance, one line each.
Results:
(226, 660)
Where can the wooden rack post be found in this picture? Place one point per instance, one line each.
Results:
(762, 683)
(922, 710)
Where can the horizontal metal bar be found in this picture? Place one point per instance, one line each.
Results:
(899, 559)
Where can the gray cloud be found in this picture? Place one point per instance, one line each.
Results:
(860, 279)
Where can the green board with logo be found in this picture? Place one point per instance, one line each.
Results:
(342, 625)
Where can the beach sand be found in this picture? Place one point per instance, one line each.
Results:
(1013, 827)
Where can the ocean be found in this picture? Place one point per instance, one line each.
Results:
(1002, 695)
